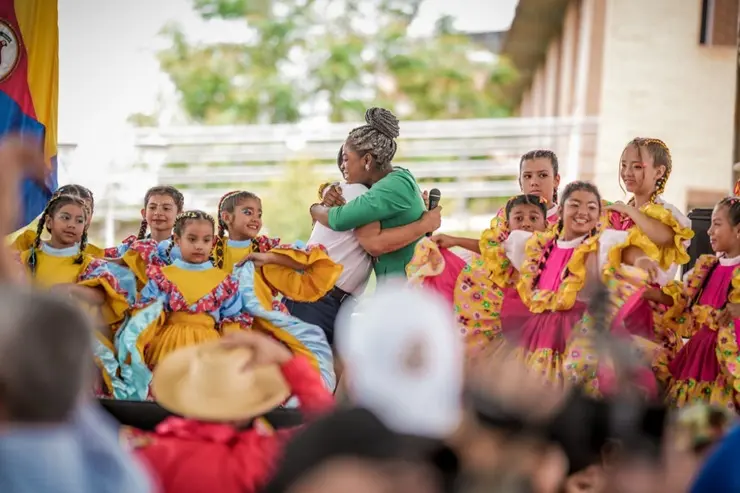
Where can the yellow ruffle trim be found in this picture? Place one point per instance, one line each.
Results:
(675, 254)
(426, 262)
(564, 298)
(500, 270)
(115, 307)
(107, 380)
(720, 392)
(318, 277)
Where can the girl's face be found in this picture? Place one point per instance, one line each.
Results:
(196, 240)
(580, 213)
(536, 177)
(67, 225)
(354, 165)
(723, 236)
(160, 213)
(638, 171)
(245, 222)
(527, 217)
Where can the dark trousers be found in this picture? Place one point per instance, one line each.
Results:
(322, 312)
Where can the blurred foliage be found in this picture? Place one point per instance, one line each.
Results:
(348, 53)
(286, 204)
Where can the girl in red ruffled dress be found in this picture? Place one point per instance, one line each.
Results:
(704, 308)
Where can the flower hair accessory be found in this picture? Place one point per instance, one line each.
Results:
(194, 215)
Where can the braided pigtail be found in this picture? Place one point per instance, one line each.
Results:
(32, 258)
(83, 245)
(142, 230)
(220, 246)
(168, 252)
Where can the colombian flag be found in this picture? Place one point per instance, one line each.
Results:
(29, 86)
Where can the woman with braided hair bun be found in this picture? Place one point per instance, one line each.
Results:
(183, 304)
(61, 264)
(394, 199)
(24, 238)
(269, 272)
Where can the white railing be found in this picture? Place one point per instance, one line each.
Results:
(465, 159)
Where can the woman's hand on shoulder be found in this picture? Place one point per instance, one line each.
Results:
(333, 196)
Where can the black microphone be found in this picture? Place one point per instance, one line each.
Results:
(434, 196)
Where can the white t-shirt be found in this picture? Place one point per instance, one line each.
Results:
(344, 248)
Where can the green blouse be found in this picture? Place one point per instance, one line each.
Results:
(395, 200)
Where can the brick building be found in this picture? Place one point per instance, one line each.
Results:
(657, 68)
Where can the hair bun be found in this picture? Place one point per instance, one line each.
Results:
(383, 121)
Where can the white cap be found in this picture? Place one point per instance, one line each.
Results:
(404, 360)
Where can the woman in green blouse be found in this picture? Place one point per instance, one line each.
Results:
(394, 198)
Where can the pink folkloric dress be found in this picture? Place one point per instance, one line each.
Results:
(643, 321)
(550, 329)
(706, 368)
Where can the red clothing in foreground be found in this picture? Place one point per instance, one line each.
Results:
(190, 456)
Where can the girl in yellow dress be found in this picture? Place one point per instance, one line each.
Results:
(183, 304)
(24, 238)
(62, 264)
(162, 204)
(268, 271)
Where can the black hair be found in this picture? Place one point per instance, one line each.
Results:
(228, 204)
(340, 157)
(575, 186)
(77, 191)
(377, 138)
(733, 209)
(661, 157)
(181, 221)
(172, 192)
(525, 199)
(543, 154)
(733, 213)
(56, 203)
(46, 355)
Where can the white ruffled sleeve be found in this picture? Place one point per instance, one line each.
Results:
(610, 238)
(515, 247)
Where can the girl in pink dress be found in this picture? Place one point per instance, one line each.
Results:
(656, 226)
(703, 308)
(557, 272)
(476, 293)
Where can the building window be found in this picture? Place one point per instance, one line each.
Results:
(719, 22)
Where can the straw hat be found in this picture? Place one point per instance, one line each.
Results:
(210, 383)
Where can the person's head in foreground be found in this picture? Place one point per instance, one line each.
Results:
(692, 436)
(352, 450)
(404, 360)
(230, 381)
(46, 361)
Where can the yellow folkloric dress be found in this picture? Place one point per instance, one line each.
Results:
(58, 266)
(263, 290)
(181, 305)
(23, 239)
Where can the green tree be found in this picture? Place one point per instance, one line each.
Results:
(350, 53)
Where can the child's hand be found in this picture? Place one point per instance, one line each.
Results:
(259, 259)
(730, 313)
(444, 241)
(648, 265)
(267, 350)
(621, 208)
